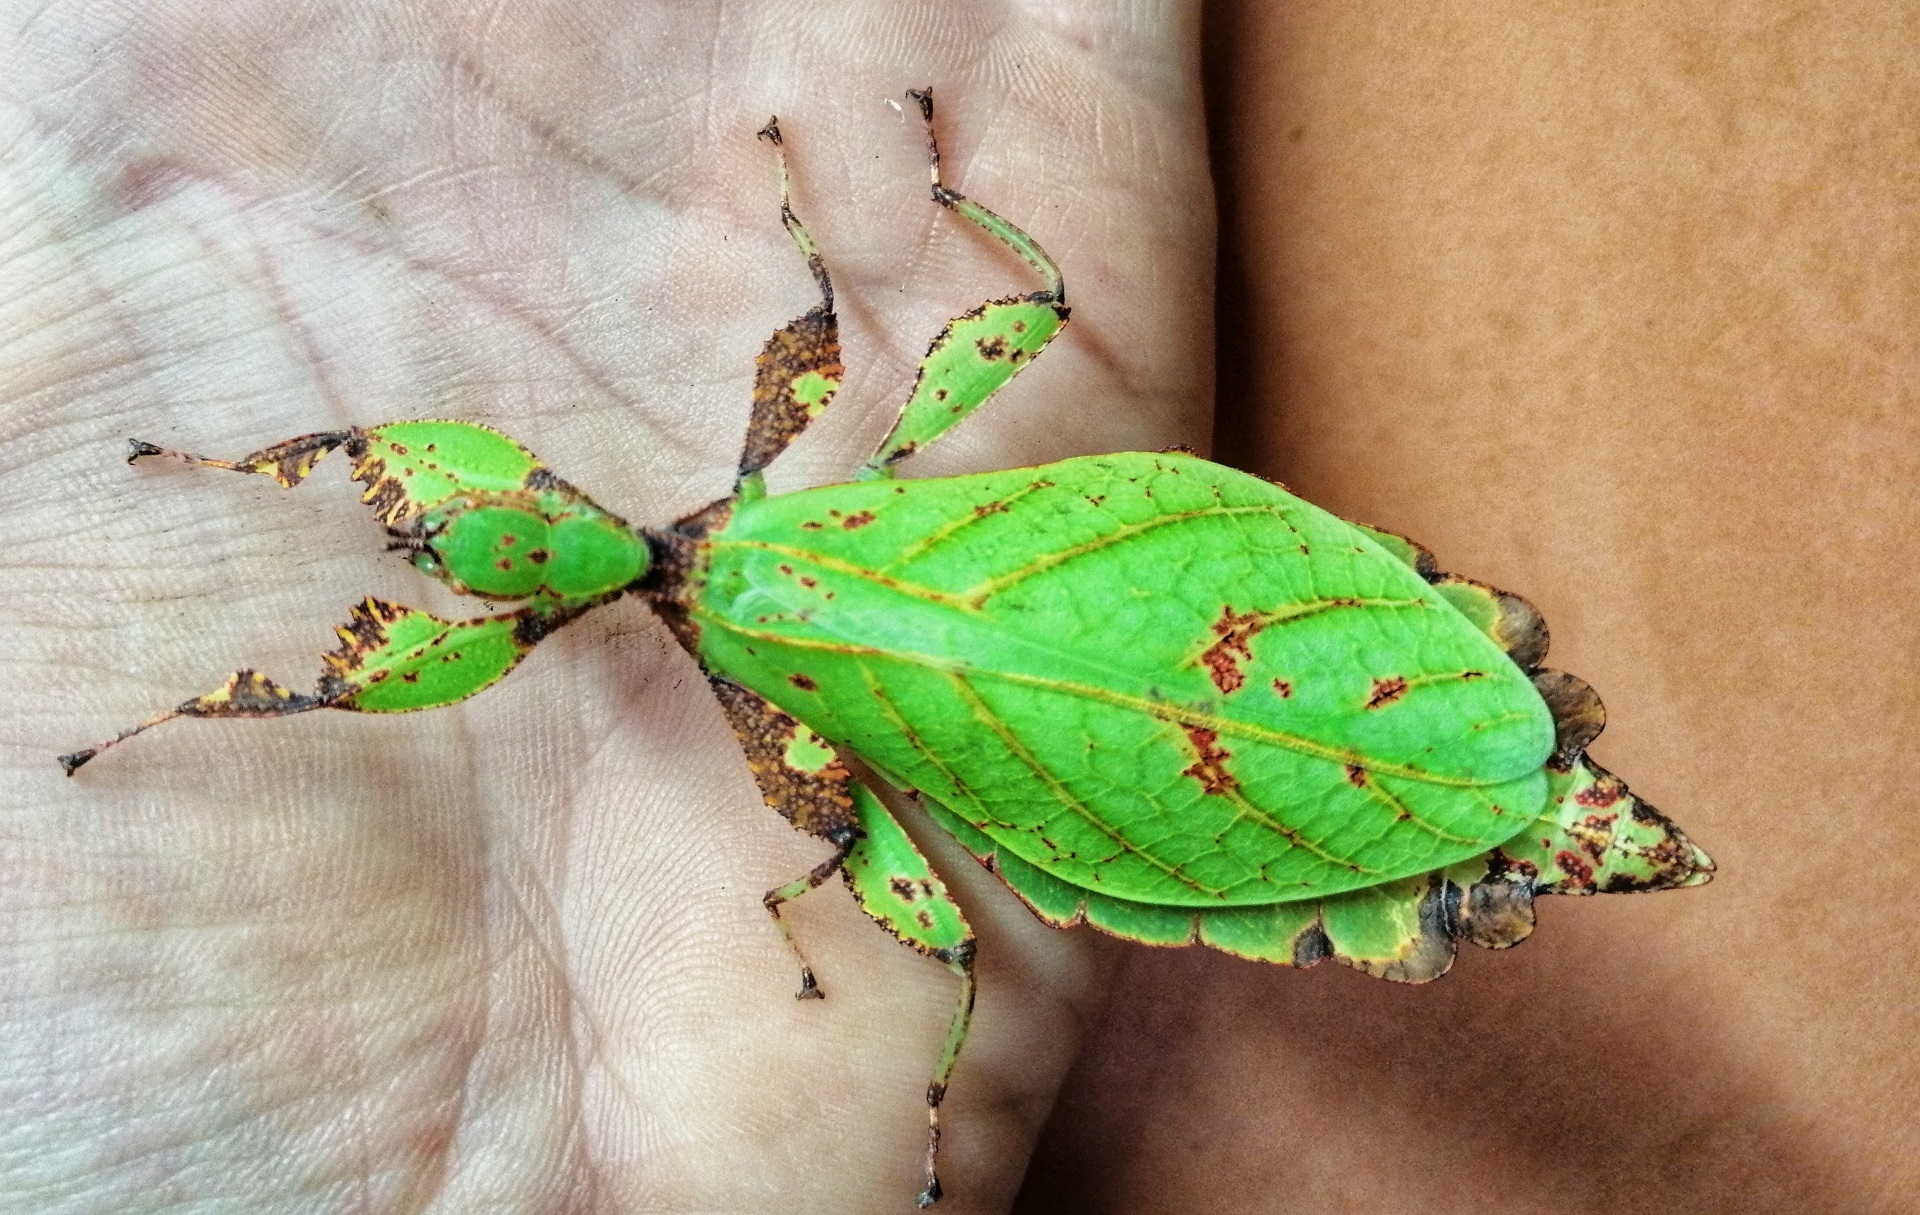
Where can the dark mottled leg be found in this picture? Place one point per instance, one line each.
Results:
(798, 370)
(802, 777)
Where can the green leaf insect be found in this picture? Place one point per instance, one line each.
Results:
(1151, 693)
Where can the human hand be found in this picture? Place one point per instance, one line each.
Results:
(510, 955)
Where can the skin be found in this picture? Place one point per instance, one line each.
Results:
(509, 956)
(331, 961)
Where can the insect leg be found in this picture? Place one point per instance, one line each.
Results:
(288, 462)
(898, 888)
(798, 370)
(803, 778)
(800, 776)
(977, 352)
(809, 987)
(392, 659)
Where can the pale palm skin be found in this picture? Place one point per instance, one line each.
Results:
(508, 956)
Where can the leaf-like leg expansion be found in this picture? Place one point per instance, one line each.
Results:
(288, 462)
(799, 370)
(897, 887)
(980, 351)
(408, 467)
(392, 659)
(246, 693)
(802, 777)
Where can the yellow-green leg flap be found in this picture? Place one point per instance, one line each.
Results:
(981, 350)
(802, 777)
(895, 885)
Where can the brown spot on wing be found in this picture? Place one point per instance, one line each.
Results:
(1579, 873)
(1594, 834)
(1224, 657)
(1386, 691)
(1601, 793)
(1210, 767)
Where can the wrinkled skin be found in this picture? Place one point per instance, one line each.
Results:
(509, 956)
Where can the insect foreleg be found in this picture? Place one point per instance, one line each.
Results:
(392, 659)
(288, 462)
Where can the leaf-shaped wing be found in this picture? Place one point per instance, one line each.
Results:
(1146, 675)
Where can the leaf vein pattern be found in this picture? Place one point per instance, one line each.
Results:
(850, 570)
(1307, 608)
(1246, 810)
(922, 547)
(1404, 813)
(891, 711)
(1160, 709)
(979, 595)
(1061, 793)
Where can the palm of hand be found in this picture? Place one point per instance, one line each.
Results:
(510, 955)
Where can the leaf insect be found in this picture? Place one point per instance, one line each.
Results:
(1153, 694)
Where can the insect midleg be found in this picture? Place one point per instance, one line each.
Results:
(392, 659)
(800, 776)
(980, 351)
(798, 370)
(809, 987)
(806, 780)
